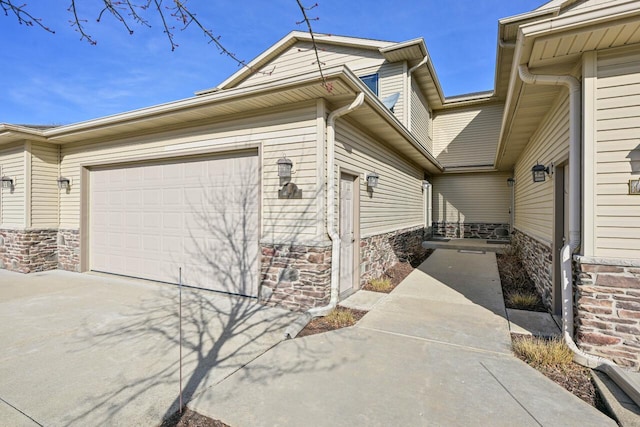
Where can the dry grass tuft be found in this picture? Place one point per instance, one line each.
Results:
(340, 318)
(380, 285)
(523, 300)
(541, 352)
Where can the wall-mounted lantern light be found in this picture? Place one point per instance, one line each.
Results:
(64, 183)
(7, 182)
(539, 172)
(284, 167)
(372, 179)
(511, 182)
(289, 189)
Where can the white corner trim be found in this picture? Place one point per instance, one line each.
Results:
(589, 171)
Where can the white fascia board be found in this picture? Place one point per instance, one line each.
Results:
(409, 43)
(582, 18)
(509, 106)
(197, 101)
(11, 133)
(528, 15)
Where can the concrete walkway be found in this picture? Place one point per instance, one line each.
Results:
(436, 351)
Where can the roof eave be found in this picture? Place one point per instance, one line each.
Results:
(554, 25)
(13, 133)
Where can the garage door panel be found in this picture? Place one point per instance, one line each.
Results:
(201, 216)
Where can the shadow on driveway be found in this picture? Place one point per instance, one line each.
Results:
(83, 349)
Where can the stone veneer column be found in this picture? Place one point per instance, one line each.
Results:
(537, 260)
(608, 309)
(69, 250)
(295, 276)
(28, 251)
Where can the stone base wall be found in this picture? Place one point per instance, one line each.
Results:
(458, 230)
(537, 260)
(608, 310)
(29, 251)
(69, 250)
(296, 277)
(379, 253)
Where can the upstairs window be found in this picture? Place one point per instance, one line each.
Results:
(371, 81)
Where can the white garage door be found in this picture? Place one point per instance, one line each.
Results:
(202, 215)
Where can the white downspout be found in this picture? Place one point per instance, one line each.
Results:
(427, 187)
(575, 164)
(332, 230)
(575, 167)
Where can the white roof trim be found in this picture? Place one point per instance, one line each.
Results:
(289, 40)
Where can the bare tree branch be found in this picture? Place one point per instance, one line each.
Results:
(23, 16)
(306, 20)
(131, 11)
(77, 23)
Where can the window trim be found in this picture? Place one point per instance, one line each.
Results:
(373, 78)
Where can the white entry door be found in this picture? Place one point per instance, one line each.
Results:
(348, 247)
(149, 220)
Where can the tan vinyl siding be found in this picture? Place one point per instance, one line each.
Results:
(420, 117)
(534, 201)
(12, 206)
(290, 132)
(300, 59)
(392, 79)
(617, 216)
(467, 136)
(44, 185)
(397, 202)
(471, 198)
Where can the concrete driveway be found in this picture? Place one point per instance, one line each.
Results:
(83, 349)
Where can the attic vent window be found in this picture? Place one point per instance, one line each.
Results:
(372, 82)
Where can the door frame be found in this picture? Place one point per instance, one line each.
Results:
(355, 180)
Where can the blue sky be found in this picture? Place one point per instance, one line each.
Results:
(58, 79)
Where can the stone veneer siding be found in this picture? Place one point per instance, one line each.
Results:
(69, 250)
(28, 251)
(380, 252)
(537, 260)
(608, 309)
(458, 230)
(294, 276)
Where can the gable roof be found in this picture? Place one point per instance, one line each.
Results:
(373, 116)
(413, 51)
(285, 43)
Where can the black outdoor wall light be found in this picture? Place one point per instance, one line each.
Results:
(7, 182)
(64, 183)
(372, 179)
(540, 172)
